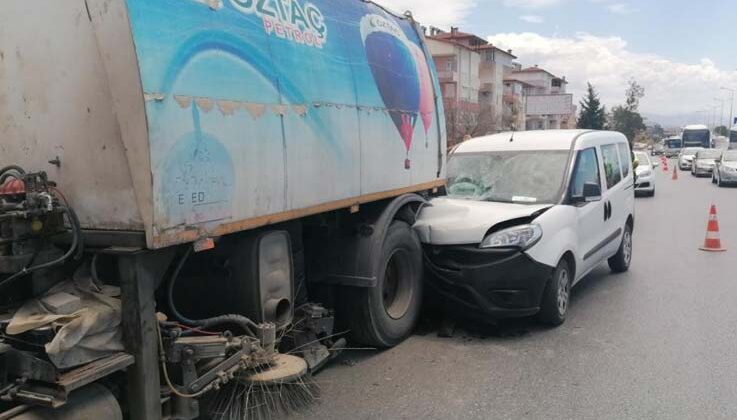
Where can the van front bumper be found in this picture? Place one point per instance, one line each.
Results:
(498, 283)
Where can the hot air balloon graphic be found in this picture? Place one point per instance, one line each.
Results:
(427, 106)
(393, 65)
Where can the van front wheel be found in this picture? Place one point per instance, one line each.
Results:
(557, 295)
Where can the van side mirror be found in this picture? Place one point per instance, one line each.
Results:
(591, 192)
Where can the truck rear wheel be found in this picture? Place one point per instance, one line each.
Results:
(385, 315)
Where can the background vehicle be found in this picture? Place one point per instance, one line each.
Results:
(645, 179)
(720, 142)
(703, 162)
(515, 232)
(657, 149)
(177, 152)
(725, 170)
(685, 157)
(733, 137)
(696, 135)
(673, 146)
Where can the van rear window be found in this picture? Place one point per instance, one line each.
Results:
(625, 158)
(612, 168)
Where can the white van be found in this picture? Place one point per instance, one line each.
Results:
(526, 216)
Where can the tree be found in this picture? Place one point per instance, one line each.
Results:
(625, 118)
(657, 131)
(592, 115)
(468, 122)
(634, 93)
(722, 131)
(509, 119)
(627, 122)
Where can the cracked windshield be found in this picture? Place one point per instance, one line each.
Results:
(368, 209)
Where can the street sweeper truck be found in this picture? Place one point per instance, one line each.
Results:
(202, 201)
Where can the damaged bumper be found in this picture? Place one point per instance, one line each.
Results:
(498, 283)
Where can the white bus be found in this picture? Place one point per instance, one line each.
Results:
(696, 135)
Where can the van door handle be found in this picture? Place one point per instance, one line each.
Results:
(607, 210)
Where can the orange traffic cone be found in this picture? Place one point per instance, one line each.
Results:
(675, 174)
(712, 242)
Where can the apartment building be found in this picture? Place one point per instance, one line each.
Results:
(514, 103)
(457, 63)
(486, 91)
(548, 106)
(495, 63)
(452, 51)
(457, 67)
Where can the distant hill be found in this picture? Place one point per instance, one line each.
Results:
(673, 122)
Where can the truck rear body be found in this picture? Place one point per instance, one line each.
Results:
(190, 119)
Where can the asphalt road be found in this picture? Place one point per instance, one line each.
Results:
(659, 342)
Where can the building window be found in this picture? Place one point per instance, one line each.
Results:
(556, 83)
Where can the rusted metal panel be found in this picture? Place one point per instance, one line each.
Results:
(115, 44)
(55, 101)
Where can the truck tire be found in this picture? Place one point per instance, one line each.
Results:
(384, 315)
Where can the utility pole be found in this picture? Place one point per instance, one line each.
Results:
(731, 106)
(721, 111)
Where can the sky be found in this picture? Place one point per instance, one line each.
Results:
(681, 51)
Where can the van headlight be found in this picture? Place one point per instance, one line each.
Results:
(523, 237)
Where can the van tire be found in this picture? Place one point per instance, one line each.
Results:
(552, 311)
(368, 311)
(620, 262)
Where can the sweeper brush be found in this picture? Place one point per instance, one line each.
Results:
(279, 389)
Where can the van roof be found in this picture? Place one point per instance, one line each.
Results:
(523, 140)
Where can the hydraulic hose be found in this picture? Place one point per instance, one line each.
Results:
(76, 241)
(5, 172)
(240, 320)
(12, 168)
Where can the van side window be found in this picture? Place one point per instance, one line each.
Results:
(626, 158)
(612, 171)
(585, 171)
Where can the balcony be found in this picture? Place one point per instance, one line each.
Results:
(448, 76)
(511, 97)
(486, 88)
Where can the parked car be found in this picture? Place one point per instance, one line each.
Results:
(704, 161)
(725, 170)
(526, 216)
(685, 157)
(645, 179)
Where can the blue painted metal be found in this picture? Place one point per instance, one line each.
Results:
(266, 106)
